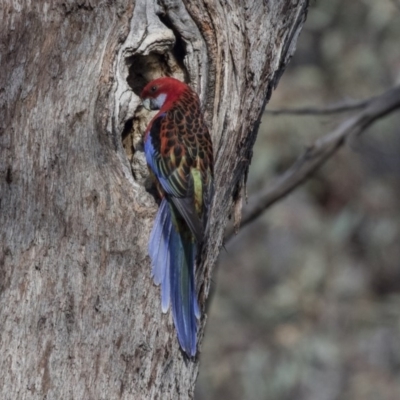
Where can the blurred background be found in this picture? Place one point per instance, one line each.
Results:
(306, 300)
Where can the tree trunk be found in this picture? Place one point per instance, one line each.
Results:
(80, 317)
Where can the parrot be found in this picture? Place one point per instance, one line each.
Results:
(179, 155)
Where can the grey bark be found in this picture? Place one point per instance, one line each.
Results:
(79, 315)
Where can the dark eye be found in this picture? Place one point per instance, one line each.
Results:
(153, 88)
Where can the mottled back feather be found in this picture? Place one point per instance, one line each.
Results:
(182, 160)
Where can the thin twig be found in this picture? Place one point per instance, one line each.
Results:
(318, 154)
(345, 106)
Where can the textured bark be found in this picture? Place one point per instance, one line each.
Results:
(79, 315)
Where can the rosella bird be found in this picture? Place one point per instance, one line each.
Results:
(179, 154)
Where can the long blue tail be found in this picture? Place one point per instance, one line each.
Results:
(173, 257)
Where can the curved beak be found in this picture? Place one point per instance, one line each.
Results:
(154, 103)
(147, 104)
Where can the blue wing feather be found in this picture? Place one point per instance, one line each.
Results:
(183, 294)
(173, 253)
(173, 259)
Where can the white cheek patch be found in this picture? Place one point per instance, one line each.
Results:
(159, 100)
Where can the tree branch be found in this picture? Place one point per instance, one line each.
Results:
(345, 106)
(317, 154)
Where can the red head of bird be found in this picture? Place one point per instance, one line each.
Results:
(162, 93)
